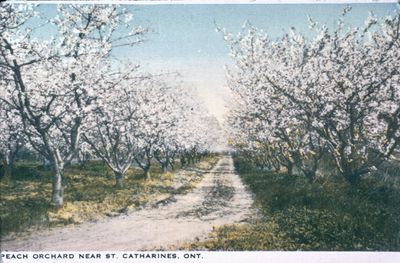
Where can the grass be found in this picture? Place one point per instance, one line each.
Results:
(90, 194)
(325, 215)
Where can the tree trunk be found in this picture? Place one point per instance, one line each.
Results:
(352, 177)
(57, 196)
(119, 179)
(289, 167)
(276, 165)
(310, 175)
(147, 173)
(183, 161)
(171, 165)
(351, 173)
(164, 167)
(165, 164)
(7, 168)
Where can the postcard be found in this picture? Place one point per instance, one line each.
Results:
(200, 131)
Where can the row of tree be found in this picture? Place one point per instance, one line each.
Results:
(66, 95)
(332, 96)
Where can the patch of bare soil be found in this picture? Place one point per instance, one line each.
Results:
(220, 198)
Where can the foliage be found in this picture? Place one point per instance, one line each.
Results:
(325, 215)
(51, 85)
(67, 97)
(331, 93)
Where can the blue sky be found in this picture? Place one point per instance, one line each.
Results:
(183, 37)
(180, 31)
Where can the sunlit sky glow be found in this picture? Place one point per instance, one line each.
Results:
(183, 38)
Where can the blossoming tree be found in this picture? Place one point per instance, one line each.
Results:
(336, 94)
(55, 81)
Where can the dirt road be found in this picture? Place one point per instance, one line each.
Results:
(219, 199)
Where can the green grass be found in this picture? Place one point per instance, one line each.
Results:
(90, 194)
(326, 215)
